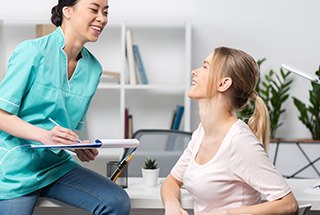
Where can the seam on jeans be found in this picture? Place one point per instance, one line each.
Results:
(87, 191)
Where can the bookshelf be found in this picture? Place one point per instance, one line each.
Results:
(165, 48)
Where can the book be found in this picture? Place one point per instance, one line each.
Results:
(177, 117)
(141, 71)
(126, 123)
(98, 143)
(130, 58)
(110, 77)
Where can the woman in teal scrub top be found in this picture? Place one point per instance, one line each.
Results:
(53, 77)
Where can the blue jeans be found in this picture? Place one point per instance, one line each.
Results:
(80, 188)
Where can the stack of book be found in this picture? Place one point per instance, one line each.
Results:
(137, 74)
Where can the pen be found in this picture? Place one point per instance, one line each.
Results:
(120, 168)
(54, 122)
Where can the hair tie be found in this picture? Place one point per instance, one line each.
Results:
(253, 95)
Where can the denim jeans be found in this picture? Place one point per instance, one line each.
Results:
(80, 188)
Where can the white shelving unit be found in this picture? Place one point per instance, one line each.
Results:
(165, 48)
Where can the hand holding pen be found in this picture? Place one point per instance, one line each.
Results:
(66, 136)
(61, 135)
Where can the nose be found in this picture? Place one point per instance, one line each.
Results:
(102, 18)
(194, 72)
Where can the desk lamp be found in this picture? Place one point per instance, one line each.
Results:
(301, 73)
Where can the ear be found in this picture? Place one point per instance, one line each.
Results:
(66, 11)
(224, 84)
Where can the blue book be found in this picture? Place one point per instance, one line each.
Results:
(137, 57)
(177, 118)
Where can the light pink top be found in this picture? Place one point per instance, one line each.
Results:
(236, 176)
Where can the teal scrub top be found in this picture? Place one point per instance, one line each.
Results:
(36, 88)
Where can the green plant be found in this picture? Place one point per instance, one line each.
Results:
(273, 89)
(150, 163)
(310, 115)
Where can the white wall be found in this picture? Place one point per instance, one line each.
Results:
(280, 30)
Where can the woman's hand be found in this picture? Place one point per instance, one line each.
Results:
(216, 213)
(175, 211)
(60, 135)
(86, 155)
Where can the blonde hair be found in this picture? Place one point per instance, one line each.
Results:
(244, 72)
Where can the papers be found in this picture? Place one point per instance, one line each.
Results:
(304, 74)
(98, 143)
(314, 189)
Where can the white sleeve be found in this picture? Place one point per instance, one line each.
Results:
(250, 163)
(180, 167)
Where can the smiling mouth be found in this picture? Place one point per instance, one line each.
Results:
(96, 28)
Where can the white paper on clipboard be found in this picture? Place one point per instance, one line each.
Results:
(98, 143)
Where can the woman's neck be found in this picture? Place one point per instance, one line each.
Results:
(73, 45)
(215, 117)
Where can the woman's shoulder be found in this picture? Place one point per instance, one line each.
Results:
(243, 138)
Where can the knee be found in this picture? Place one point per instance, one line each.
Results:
(122, 206)
(118, 203)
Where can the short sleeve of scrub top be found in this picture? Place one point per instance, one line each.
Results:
(20, 75)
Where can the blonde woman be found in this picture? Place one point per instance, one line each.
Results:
(225, 166)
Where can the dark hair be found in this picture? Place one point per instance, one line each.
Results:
(56, 11)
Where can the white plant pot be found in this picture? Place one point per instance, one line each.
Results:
(150, 177)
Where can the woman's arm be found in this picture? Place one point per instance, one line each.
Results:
(286, 205)
(15, 126)
(170, 194)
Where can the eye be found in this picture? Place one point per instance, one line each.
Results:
(105, 13)
(94, 10)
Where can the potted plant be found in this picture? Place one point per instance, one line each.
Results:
(150, 172)
(273, 89)
(310, 115)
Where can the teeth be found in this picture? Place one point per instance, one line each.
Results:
(96, 28)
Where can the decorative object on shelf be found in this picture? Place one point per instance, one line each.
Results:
(273, 89)
(150, 172)
(141, 73)
(310, 115)
(44, 29)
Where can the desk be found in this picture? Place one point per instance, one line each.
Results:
(149, 197)
(145, 197)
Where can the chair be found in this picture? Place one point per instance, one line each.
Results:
(303, 209)
(164, 145)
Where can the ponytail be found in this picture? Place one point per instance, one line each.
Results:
(259, 122)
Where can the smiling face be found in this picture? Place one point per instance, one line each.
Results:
(87, 18)
(199, 84)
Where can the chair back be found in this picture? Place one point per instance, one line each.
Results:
(164, 145)
(303, 209)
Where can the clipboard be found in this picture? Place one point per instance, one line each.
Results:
(98, 143)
